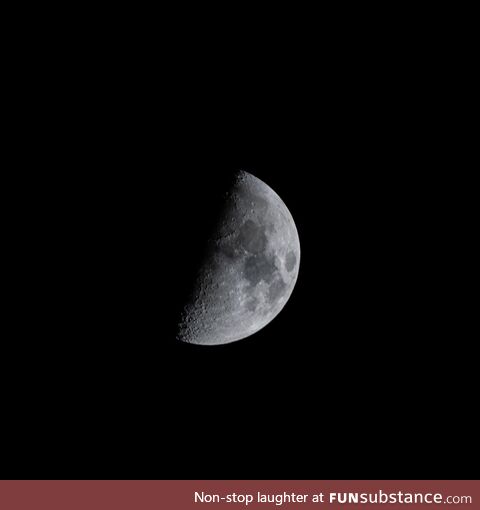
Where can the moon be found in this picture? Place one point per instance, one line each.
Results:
(250, 269)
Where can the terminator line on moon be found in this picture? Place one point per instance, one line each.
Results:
(250, 269)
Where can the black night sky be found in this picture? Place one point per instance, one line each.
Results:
(358, 377)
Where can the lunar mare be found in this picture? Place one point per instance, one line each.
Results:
(250, 270)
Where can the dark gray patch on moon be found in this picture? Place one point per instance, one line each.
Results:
(290, 261)
(228, 250)
(275, 290)
(259, 267)
(252, 237)
(252, 304)
(258, 204)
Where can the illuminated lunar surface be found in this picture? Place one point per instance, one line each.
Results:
(250, 270)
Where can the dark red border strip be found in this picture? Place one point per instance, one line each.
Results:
(179, 494)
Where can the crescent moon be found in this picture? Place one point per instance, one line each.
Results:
(251, 267)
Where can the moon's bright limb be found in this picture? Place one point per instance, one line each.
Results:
(251, 269)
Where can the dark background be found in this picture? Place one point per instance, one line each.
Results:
(366, 373)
